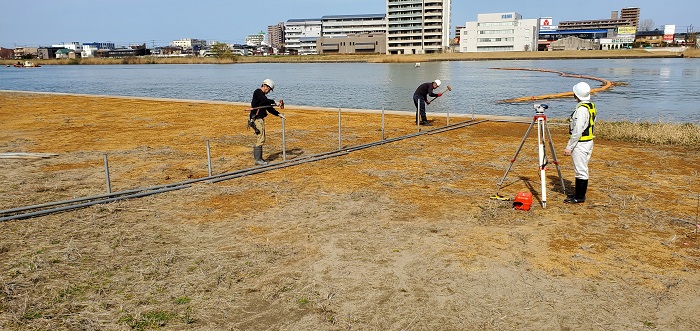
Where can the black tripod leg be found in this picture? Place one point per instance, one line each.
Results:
(515, 156)
(556, 161)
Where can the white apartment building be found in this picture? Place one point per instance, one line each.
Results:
(418, 26)
(296, 29)
(500, 32)
(189, 43)
(344, 25)
(255, 40)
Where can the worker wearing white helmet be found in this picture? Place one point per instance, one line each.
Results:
(260, 106)
(420, 99)
(580, 144)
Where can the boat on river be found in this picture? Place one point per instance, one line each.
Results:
(26, 64)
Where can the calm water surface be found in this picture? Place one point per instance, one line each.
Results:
(653, 89)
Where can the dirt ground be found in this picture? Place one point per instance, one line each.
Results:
(400, 236)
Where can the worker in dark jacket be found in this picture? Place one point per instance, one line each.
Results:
(420, 99)
(258, 112)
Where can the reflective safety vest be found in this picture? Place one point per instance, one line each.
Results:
(587, 134)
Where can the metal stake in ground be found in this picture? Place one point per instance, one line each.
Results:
(543, 137)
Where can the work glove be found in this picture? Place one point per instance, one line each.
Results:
(439, 94)
(427, 102)
(281, 104)
(281, 115)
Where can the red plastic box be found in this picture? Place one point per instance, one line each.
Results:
(523, 201)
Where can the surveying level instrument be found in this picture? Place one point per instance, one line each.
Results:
(543, 137)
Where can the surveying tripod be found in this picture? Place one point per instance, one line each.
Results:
(543, 137)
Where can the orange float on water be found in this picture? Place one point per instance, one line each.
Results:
(606, 85)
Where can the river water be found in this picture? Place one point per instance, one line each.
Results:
(650, 90)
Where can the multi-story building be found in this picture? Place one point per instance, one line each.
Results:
(343, 25)
(275, 35)
(25, 52)
(89, 49)
(629, 17)
(631, 14)
(73, 46)
(189, 44)
(500, 32)
(297, 29)
(418, 26)
(255, 40)
(353, 44)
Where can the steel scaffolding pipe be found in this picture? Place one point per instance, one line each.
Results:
(40, 209)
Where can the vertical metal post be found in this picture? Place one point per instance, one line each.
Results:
(418, 117)
(209, 158)
(383, 132)
(109, 185)
(448, 116)
(284, 143)
(340, 145)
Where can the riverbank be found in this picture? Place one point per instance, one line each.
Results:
(379, 58)
(401, 235)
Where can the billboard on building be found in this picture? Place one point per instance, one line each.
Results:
(546, 24)
(626, 30)
(669, 31)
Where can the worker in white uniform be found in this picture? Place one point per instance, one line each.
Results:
(580, 144)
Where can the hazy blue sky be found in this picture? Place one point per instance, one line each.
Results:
(124, 22)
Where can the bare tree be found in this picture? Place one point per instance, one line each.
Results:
(691, 37)
(646, 24)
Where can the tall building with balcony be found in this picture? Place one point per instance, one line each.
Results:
(631, 14)
(275, 35)
(344, 25)
(628, 17)
(302, 32)
(418, 26)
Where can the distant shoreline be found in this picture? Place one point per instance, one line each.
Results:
(379, 58)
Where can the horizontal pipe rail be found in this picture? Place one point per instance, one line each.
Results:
(65, 205)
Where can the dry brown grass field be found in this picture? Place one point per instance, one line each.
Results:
(398, 236)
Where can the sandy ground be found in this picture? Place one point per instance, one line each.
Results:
(401, 236)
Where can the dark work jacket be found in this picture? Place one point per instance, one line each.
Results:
(259, 99)
(425, 90)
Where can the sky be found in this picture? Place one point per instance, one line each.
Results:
(158, 22)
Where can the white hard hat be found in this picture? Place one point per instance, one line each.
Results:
(582, 91)
(437, 82)
(269, 83)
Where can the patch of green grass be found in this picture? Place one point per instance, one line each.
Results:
(650, 325)
(32, 314)
(148, 320)
(182, 300)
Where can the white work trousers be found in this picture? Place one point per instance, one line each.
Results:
(580, 156)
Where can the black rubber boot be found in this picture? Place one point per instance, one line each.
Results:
(580, 195)
(582, 192)
(257, 153)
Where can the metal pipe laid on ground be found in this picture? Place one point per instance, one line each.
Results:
(87, 204)
(210, 179)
